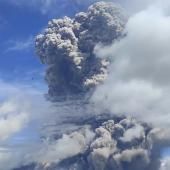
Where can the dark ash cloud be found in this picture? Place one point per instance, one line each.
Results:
(67, 45)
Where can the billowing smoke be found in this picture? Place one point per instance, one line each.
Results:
(138, 81)
(81, 57)
(67, 45)
(118, 143)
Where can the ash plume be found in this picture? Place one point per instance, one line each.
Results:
(100, 139)
(109, 145)
(67, 45)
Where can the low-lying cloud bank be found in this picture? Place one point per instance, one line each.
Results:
(21, 107)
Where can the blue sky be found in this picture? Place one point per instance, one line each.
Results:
(20, 22)
(18, 29)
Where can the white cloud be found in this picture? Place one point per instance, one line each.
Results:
(65, 147)
(165, 165)
(16, 107)
(16, 112)
(46, 153)
(139, 76)
(11, 125)
(19, 45)
(23, 106)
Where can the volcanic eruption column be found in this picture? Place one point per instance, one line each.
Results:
(67, 48)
